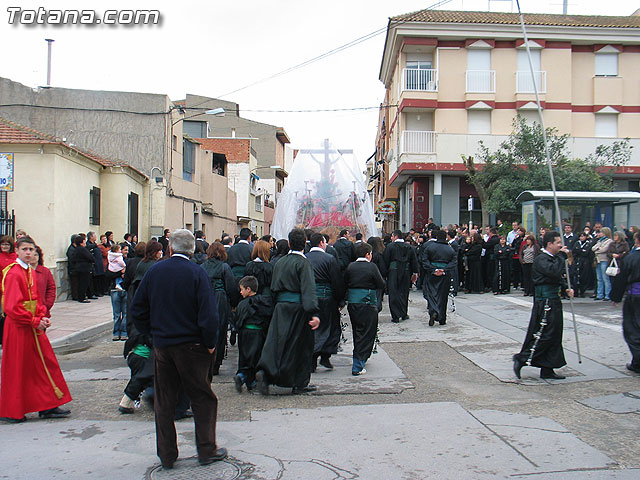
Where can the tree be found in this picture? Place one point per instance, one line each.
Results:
(520, 164)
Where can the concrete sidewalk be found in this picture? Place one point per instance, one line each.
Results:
(73, 323)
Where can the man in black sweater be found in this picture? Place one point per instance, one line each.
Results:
(176, 306)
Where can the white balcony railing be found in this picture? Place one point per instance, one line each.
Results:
(420, 79)
(524, 83)
(481, 81)
(418, 142)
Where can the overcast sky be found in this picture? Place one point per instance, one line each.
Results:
(214, 47)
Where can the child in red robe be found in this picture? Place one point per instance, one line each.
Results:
(31, 377)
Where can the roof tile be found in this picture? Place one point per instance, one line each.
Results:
(455, 16)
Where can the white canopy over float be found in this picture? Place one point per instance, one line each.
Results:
(325, 192)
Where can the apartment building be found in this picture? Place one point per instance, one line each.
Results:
(454, 78)
(238, 158)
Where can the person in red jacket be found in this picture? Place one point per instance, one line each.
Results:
(45, 281)
(31, 379)
(7, 257)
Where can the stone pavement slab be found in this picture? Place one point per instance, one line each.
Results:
(489, 329)
(409, 441)
(626, 402)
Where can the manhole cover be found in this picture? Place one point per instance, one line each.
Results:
(190, 469)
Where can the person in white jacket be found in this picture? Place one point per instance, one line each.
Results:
(600, 248)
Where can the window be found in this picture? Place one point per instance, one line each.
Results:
(133, 213)
(218, 164)
(480, 78)
(419, 74)
(258, 204)
(524, 82)
(523, 60)
(479, 122)
(606, 64)
(174, 142)
(606, 125)
(530, 116)
(188, 160)
(94, 206)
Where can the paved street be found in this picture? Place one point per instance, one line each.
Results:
(436, 402)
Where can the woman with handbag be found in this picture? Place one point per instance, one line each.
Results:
(601, 249)
(617, 251)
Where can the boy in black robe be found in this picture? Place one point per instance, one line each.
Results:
(363, 280)
(542, 346)
(402, 270)
(330, 292)
(288, 349)
(630, 280)
(252, 318)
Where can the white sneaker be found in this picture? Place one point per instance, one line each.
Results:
(361, 372)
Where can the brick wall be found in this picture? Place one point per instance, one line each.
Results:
(237, 150)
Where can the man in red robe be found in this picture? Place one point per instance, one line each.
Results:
(31, 377)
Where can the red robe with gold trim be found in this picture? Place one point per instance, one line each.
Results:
(31, 377)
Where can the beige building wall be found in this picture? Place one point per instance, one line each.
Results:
(452, 63)
(582, 69)
(116, 185)
(557, 63)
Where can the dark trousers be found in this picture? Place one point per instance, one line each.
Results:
(189, 365)
(73, 285)
(516, 272)
(527, 282)
(141, 375)
(84, 278)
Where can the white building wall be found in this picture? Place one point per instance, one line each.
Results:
(239, 183)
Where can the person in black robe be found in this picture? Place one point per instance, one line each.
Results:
(455, 278)
(225, 289)
(502, 254)
(439, 261)
(288, 349)
(516, 266)
(260, 267)
(582, 264)
(376, 257)
(542, 345)
(490, 262)
(630, 281)
(240, 254)
(473, 275)
(402, 270)
(282, 248)
(330, 250)
(330, 292)
(344, 249)
(252, 318)
(363, 280)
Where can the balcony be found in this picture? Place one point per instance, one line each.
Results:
(524, 83)
(420, 80)
(481, 81)
(418, 142)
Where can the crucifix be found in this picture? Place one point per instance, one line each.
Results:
(325, 165)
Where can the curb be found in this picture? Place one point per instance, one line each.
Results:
(76, 340)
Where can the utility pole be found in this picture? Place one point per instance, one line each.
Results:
(49, 42)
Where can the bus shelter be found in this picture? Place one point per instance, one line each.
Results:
(611, 209)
